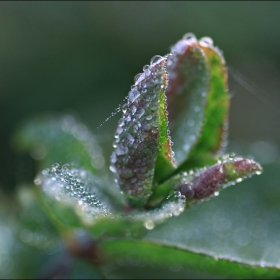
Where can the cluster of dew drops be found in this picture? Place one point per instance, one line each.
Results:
(179, 48)
(72, 185)
(118, 157)
(139, 121)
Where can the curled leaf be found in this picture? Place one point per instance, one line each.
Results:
(142, 136)
(204, 183)
(213, 135)
(189, 78)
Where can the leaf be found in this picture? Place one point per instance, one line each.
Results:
(72, 198)
(40, 261)
(21, 236)
(242, 225)
(214, 131)
(168, 255)
(59, 139)
(78, 193)
(135, 224)
(188, 85)
(26, 231)
(32, 226)
(142, 137)
(204, 183)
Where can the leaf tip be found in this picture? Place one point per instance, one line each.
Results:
(244, 166)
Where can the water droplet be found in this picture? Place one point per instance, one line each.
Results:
(37, 182)
(146, 67)
(133, 110)
(120, 151)
(129, 137)
(113, 168)
(124, 108)
(128, 118)
(189, 37)
(55, 166)
(231, 156)
(137, 77)
(207, 41)
(148, 72)
(135, 128)
(149, 117)
(132, 95)
(149, 225)
(140, 112)
(65, 167)
(197, 109)
(121, 122)
(216, 193)
(146, 126)
(155, 59)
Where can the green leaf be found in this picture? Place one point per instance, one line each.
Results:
(214, 130)
(78, 192)
(23, 236)
(60, 140)
(242, 225)
(73, 199)
(168, 255)
(188, 85)
(25, 230)
(32, 225)
(204, 183)
(135, 224)
(18, 260)
(142, 139)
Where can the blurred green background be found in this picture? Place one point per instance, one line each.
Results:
(82, 57)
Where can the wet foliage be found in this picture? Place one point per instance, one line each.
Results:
(167, 158)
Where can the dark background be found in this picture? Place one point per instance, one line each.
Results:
(82, 56)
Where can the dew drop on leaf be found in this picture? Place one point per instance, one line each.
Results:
(149, 225)
(189, 37)
(155, 59)
(146, 67)
(207, 41)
